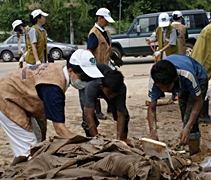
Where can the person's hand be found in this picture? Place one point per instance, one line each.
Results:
(154, 135)
(184, 136)
(157, 53)
(118, 62)
(38, 62)
(147, 41)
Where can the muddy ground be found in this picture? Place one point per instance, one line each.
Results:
(136, 79)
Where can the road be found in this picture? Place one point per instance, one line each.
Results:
(8, 66)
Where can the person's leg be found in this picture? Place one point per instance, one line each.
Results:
(20, 139)
(99, 114)
(42, 122)
(84, 124)
(195, 134)
(36, 129)
(186, 102)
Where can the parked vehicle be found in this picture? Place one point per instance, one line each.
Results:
(56, 50)
(132, 43)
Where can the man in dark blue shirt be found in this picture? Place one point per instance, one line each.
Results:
(184, 75)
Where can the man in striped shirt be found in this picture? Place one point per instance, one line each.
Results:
(184, 75)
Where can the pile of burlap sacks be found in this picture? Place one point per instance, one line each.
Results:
(100, 158)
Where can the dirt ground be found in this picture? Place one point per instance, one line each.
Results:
(136, 79)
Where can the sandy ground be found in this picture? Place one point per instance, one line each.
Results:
(136, 79)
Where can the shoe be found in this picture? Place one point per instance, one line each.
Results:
(101, 116)
(206, 119)
(174, 97)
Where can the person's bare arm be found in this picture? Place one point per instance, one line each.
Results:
(120, 126)
(151, 116)
(90, 121)
(34, 50)
(185, 133)
(61, 129)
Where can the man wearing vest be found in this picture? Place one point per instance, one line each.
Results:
(182, 33)
(99, 43)
(30, 91)
(201, 52)
(166, 36)
(37, 41)
(39, 123)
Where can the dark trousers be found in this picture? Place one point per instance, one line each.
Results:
(186, 103)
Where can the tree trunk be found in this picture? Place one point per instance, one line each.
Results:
(71, 25)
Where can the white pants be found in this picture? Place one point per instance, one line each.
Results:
(20, 139)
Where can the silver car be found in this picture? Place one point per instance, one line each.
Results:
(56, 50)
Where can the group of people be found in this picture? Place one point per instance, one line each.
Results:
(34, 95)
(185, 76)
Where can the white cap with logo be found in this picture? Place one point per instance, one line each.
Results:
(163, 20)
(176, 14)
(16, 23)
(106, 14)
(87, 62)
(37, 12)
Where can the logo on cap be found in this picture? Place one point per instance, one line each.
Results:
(92, 60)
(163, 19)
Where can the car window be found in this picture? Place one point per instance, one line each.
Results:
(147, 25)
(14, 40)
(194, 21)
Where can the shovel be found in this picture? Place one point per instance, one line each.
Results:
(156, 148)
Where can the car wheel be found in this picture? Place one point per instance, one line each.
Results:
(117, 51)
(7, 56)
(56, 54)
(189, 49)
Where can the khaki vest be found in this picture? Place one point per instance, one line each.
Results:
(103, 51)
(41, 45)
(202, 49)
(181, 38)
(18, 96)
(161, 44)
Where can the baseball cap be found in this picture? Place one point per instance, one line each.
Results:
(106, 14)
(37, 12)
(164, 20)
(176, 15)
(16, 23)
(87, 62)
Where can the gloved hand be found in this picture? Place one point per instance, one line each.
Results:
(118, 61)
(38, 62)
(157, 53)
(147, 41)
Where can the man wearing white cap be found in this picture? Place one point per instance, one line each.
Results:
(37, 44)
(182, 33)
(30, 91)
(166, 36)
(99, 43)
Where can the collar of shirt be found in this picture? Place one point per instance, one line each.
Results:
(65, 71)
(176, 22)
(98, 27)
(39, 27)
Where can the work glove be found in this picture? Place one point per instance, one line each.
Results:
(117, 61)
(157, 53)
(38, 62)
(147, 41)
